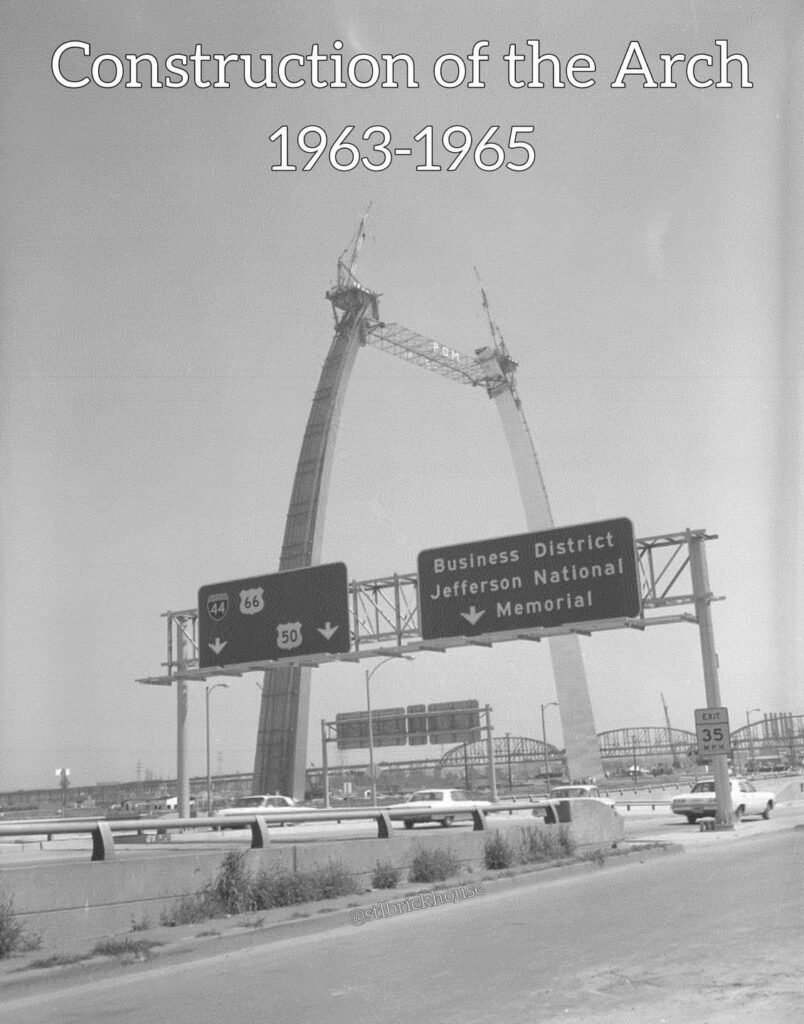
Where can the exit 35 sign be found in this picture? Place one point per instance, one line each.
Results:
(712, 730)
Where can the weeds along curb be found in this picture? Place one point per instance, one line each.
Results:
(220, 935)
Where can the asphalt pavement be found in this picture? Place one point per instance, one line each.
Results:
(704, 928)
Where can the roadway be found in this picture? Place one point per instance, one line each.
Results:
(711, 935)
(643, 822)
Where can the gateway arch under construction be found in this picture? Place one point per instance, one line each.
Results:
(280, 758)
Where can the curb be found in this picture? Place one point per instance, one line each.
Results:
(19, 972)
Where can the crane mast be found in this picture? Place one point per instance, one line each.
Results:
(669, 732)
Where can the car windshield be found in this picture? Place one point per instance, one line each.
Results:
(458, 794)
(704, 787)
(252, 801)
(427, 794)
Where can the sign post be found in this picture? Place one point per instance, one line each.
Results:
(724, 815)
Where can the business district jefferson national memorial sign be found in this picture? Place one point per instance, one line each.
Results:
(585, 573)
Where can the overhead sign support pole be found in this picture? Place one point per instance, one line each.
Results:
(490, 754)
(724, 818)
(183, 655)
(325, 763)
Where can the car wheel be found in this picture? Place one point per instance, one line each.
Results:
(408, 823)
(692, 818)
(766, 812)
(738, 813)
(446, 822)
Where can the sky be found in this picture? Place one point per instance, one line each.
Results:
(164, 323)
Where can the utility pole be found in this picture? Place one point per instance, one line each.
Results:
(750, 734)
(183, 655)
(63, 775)
(724, 815)
(209, 690)
(369, 674)
(552, 704)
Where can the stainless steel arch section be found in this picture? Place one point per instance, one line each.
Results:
(279, 760)
(574, 703)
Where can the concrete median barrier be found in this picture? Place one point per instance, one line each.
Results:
(90, 899)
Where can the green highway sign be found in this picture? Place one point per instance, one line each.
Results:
(567, 575)
(276, 617)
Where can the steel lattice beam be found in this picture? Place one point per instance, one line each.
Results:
(385, 615)
(426, 353)
(664, 561)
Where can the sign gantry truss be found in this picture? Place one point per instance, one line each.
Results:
(384, 615)
(385, 610)
(664, 565)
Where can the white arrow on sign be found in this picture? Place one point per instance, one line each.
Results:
(219, 645)
(473, 615)
(329, 631)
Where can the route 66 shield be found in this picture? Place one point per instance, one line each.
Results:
(251, 601)
(217, 606)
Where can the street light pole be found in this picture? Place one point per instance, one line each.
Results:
(369, 674)
(552, 704)
(209, 769)
(750, 737)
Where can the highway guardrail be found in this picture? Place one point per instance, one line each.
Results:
(104, 830)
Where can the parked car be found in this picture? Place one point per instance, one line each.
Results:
(260, 803)
(766, 765)
(700, 802)
(545, 809)
(441, 805)
(579, 792)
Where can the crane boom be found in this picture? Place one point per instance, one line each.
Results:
(421, 351)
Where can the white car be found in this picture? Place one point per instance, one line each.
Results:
(579, 793)
(700, 803)
(263, 803)
(441, 805)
